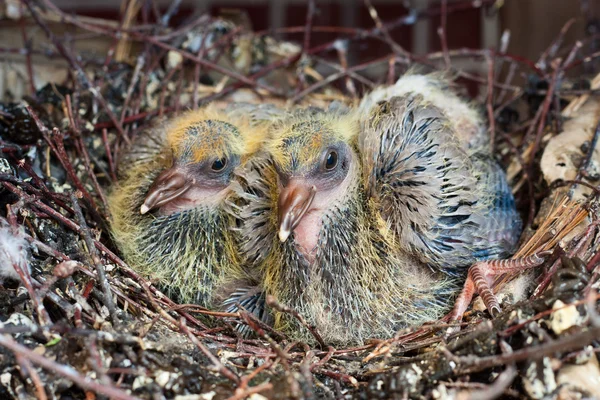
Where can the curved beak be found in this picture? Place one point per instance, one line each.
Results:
(294, 201)
(168, 186)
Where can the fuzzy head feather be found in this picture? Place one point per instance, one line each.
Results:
(298, 140)
(198, 135)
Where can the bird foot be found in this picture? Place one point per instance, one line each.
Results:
(479, 280)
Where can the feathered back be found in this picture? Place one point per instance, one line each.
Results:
(442, 202)
(436, 90)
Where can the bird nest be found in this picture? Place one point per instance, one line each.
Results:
(78, 322)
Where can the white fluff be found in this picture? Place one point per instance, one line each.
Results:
(13, 251)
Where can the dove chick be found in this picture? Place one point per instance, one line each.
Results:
(171, 215)
(320, 245)
(366, 221)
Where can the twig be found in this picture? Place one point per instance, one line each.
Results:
(310, 13)
(76, 66)
(134, 80)
(63, 370)
(271, 302)
(27, 48)
(218, 365)
(562, 344)
(490, 104)
(56, 142)
(27, 369)
(551, 51)
(381, 27)
(111, 165)
(502, 382)
(542, 116)
(442, 32)
(333, 77)
(93, 252)
(86, 157)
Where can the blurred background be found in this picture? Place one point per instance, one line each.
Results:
(533, 23)
(526, 31)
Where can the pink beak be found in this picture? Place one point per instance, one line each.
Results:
(294, 201)
(168, 186)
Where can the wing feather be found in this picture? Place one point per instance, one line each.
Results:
(445, 206)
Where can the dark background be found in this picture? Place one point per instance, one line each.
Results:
(533, 23)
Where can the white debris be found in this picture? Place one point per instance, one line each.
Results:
(162, 378)
(256, 396)
(204, 396)
(13, 252)
(13, 9)
(539, 379)
(140, 382)
(174, 58)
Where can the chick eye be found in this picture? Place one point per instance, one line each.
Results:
(219, 164)
(331, 160)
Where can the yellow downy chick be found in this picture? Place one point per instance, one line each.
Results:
(172, 216)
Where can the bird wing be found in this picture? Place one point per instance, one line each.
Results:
(426, 187)
(251, 299)
(501, 223)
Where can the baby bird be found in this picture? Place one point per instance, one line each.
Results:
(365, 221)
(466, 211)
(171, 213)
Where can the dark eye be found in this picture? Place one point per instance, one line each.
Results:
(331, 160)
(219, 164)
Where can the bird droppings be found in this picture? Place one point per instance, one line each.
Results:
(564, 317)
(539, 379)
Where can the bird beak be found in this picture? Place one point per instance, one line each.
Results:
(168, 186)
(294, 201)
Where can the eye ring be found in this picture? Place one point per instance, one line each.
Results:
(219, 164)
(331, 160)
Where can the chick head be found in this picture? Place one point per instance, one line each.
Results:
(315, 156)
(206, 147)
